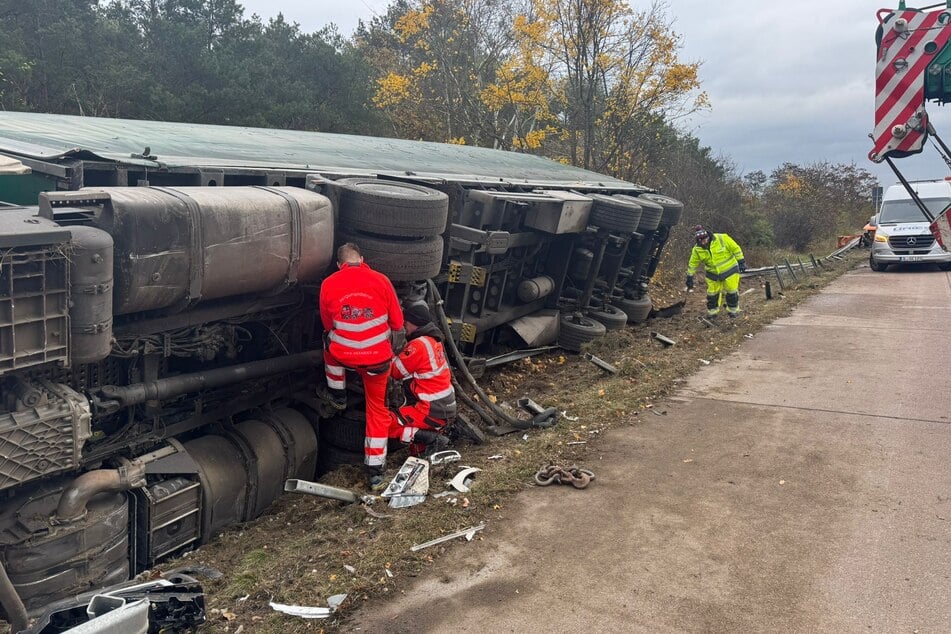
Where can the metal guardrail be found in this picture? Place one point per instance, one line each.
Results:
(804, 268)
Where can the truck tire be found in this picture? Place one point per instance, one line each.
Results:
(345, 431)
(673, 208)
(618, 216)
(651, 213)
(576, 330)
(400, 260)
(391, 208)
(330, 458)
(637, 310)
(612, 317)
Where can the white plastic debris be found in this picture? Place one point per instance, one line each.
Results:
(308, 612)
(564, 414)
(350, 569)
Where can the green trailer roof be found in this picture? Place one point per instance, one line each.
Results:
(50, 137)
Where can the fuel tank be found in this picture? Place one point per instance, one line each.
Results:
(176, 246)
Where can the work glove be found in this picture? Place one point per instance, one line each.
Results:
(690, 282)
(742, 265)
(398, 340)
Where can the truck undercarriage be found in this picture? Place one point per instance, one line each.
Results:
(159, 344)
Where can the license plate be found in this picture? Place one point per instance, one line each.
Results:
(911, 258)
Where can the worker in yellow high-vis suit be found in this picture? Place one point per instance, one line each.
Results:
(722, 260)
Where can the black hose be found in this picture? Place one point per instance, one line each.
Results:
(12, 603)
(436, 300)
(489, 422)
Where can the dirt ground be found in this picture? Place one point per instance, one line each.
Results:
(307, 549)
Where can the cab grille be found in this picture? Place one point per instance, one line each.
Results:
(916, 245)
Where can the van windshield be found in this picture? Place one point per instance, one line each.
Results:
(894, 211)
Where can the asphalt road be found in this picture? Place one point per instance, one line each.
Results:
(802, 484)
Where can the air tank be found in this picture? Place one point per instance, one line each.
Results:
(176, 246)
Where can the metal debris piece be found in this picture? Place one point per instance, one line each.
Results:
(410, 485)
(667, 341)
(706, 322)
(553, 474)
(497, 456)
(444, 457)
(577, 442)
(601, 363)
(704, 361)
(458, 482)
(468, 533)
(541, 416)
(326, 491)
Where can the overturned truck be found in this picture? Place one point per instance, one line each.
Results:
(159, 342)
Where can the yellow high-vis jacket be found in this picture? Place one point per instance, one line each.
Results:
(719, 258)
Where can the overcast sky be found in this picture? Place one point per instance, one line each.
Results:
(790, 81)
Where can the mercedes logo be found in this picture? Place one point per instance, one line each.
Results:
(912, 241)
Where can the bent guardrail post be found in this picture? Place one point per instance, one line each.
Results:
(790, 269)
(779, 277)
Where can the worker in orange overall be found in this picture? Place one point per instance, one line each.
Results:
(422, 366)
(359, 311)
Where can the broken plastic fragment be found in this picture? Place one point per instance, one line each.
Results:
(468, 533)
(302, 611)
(564, 414)
(349, 568)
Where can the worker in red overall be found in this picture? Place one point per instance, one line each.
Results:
(422, 366)
(359, 311)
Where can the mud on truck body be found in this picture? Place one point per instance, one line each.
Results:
(159, 339)
(913, 66)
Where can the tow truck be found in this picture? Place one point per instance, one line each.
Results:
(913, 66)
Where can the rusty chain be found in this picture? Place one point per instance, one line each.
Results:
(553, 474)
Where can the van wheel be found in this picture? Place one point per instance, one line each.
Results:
(878, 267)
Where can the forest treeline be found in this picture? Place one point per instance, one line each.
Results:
(594, 83)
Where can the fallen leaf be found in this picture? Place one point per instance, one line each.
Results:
(228, 616)
(601, 392)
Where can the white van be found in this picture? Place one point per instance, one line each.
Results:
(903, 233)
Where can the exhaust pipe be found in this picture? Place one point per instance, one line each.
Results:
(72, 504)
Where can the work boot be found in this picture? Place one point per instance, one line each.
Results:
(375, 481)
(434, 441)
(336, 399)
